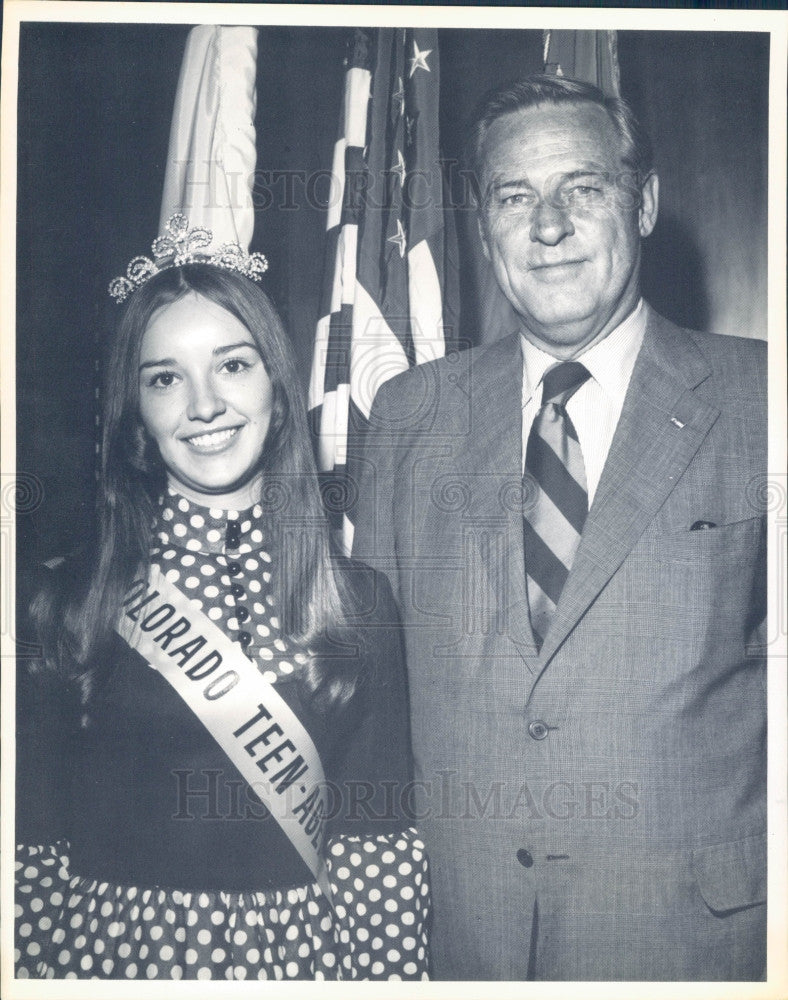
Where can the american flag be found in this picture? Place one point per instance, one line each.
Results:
(390, 288)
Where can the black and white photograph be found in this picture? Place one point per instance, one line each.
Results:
(393, 500)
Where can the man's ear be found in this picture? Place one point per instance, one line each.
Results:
(482, 236)
(649, 205)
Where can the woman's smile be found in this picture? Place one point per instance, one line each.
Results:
(210, 442)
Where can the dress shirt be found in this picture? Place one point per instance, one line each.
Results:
(596, 406)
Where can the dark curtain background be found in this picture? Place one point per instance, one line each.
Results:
(94, 112)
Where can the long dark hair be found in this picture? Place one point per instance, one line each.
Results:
(311, 592)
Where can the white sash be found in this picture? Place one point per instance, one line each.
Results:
(246, 716)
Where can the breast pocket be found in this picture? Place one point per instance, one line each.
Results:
(719, 569)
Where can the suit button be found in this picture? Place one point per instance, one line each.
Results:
(524, 857)
(237, 591)
(242, 614)
(233, 568)
(537, 729)
(244, 638)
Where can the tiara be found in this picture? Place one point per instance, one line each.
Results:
(182, 245)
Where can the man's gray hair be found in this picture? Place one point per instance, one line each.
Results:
(542, 88)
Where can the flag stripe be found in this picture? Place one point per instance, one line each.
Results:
(390, 278)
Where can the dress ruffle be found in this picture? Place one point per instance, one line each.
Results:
(71, 927)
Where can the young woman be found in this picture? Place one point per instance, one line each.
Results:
(212, 752)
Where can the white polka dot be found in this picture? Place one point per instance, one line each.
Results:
(190, 956)
(254, 586)
(372, 871)
(167, 514)
(377, 968)
(270, 676)
(266, 653)
(389, 881)
(374, 895)
(179, 530)
(391, 905)
(291, 970)
(407, 918)
(204, 936)
(192, 582)
(124, 950)
(193, 545)
(180, 934)
(251, 564)
(166, 952)
(213, 535)
(274, 621)
(263, 630)
(176, 972)
(172, 575)
(407, 892)
(152, 971)
(393, 955)
(329, 959)
(116, 928)
(217, 917)
(197, 521)
(265, 557)
(239, 937)
(203, 973)
(188, 560)
(363, 959)
(183, 505)
(388, 857)
(375, 919)
(44, 923)
(285, 667)
(33, 948)
(207, 569)
(214, 614)
(409, 943)
(211, 591)
(267, 576)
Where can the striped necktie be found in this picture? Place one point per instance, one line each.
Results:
(555, 495)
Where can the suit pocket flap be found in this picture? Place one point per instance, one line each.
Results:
(733, 874)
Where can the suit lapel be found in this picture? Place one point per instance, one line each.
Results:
(662, 425)
(495, 505)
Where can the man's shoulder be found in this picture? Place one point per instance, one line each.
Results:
(445, 377)
(738, 363)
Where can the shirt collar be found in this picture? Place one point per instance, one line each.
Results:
(610, 361)
(183, 524)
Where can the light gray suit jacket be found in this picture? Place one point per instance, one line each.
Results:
(594, 810)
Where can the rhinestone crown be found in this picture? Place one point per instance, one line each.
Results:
(182, 245)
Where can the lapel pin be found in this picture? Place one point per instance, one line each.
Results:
(677, 422)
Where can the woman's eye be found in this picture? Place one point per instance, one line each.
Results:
(234, 366)
(162, 380)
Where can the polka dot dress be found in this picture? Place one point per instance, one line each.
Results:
(72, 927)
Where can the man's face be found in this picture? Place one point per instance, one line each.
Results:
(561, 223)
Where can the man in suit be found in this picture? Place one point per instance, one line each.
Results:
(579, 558)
